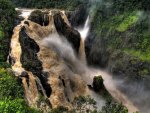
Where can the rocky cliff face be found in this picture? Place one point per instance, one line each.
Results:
(48, 82)
(69, 33)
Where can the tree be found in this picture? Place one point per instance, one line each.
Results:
(60, 109)
(7, 18)
(114, 107)
(84, 104)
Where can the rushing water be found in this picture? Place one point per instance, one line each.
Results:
(85, 30)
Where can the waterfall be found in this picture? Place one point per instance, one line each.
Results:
(16, 51)
(109, 83)
(29, 83)
(25, 13)
(83, 33)
(85, 30)
(69, 69)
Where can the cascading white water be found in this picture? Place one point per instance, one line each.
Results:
(83, 33)
(25, 13)
(85, 30)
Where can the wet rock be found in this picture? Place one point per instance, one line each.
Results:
(18, 20)
(30, 61)
(39, 17)
(98, 54)
(78, 17)
(24, 74)
(69, 33)
(88, 43)
(26, 22)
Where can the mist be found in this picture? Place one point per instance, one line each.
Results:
(60, 45)
(138, 92)
(64, 49)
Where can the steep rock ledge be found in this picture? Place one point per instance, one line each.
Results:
(70, 34)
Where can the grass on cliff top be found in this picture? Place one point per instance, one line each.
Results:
(120, 22)
(127, 21)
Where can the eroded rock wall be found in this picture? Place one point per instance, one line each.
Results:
(48, 82)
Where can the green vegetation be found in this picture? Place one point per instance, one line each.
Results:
(9, 86)
(122, 35)
(7, 18)
(113, 107)
(98, 83)
(60, 109)
(1, 33)
(61, 4)
(85, 104)
(144, 56)
(127, 22)
(11, 91)
(8, 105)
(11, 96)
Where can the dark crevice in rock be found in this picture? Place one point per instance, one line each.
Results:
(30, 61)
(69, 33)
(26, 22)
(63, 81)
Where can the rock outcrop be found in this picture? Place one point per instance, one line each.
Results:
(78, 17)
(30, 61)
(68, 32)
(39, 17)
(98, 83)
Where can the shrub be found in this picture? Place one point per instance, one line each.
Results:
(98, 83)
(9, 85)
(8, 105)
